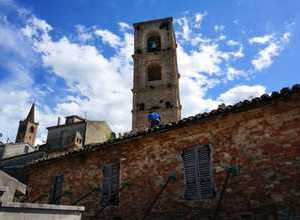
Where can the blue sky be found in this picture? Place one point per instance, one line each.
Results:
(74, 57)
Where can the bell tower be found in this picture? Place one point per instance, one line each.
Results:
(27, 129)
(155, 83)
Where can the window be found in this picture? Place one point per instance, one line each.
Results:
(26, 149)
(198, 172)
(154, 72)
(56, 190)
(153, 43)
(168, 104)
(141, 107)
(31, 129)
(110, 185)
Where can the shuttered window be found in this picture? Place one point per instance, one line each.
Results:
(110, 185)
(56, 190)
(198, 172)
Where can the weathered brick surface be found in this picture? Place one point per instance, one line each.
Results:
(263, 141)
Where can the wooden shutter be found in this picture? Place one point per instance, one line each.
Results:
(189, 161)
(115, 184)
(198, 172)
(205, 184)
(56, 191)
(110, 185)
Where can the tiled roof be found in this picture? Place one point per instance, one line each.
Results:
(222, 110)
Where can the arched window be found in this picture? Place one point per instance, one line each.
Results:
(154, 72)
(153, 43)
(31, 129)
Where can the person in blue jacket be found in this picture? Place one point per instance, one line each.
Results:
(154, 119)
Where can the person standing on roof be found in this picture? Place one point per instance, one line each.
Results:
(154, 119)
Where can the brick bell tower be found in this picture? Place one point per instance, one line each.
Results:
(27, 129)
(155, 83)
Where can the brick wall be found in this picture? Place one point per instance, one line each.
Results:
(264, 141)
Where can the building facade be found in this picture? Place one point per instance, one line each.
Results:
(183, 170)
(155, 83)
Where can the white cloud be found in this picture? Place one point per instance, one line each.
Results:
(232, 43)
(83, 34)
(192, 93)
(240, 93)
(233, 73)
(124, 26)
(261, 39)
(219, 28)
(109, 37)
(185, 32)
(286, 37)
(199, 19)
(274, 45)
(265, 57)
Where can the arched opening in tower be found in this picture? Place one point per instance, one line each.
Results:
(153, 43)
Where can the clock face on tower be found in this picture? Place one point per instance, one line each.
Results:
(155, 87)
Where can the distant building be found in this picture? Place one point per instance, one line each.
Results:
(25, 138)
(14, 149)
(73, 135)
(27, 129)
(76, 133)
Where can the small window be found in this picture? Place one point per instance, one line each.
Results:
(110, 185)
(26, 149)
(168, 104)
(32, 129)
(154, 72)
(198, 173)
(153, 43)
(56, 190)
(141, 107)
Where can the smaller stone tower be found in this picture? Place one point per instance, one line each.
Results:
(27, 129)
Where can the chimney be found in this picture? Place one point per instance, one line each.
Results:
(58, 121)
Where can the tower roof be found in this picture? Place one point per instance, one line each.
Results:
(30, 116)
(167, 19)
